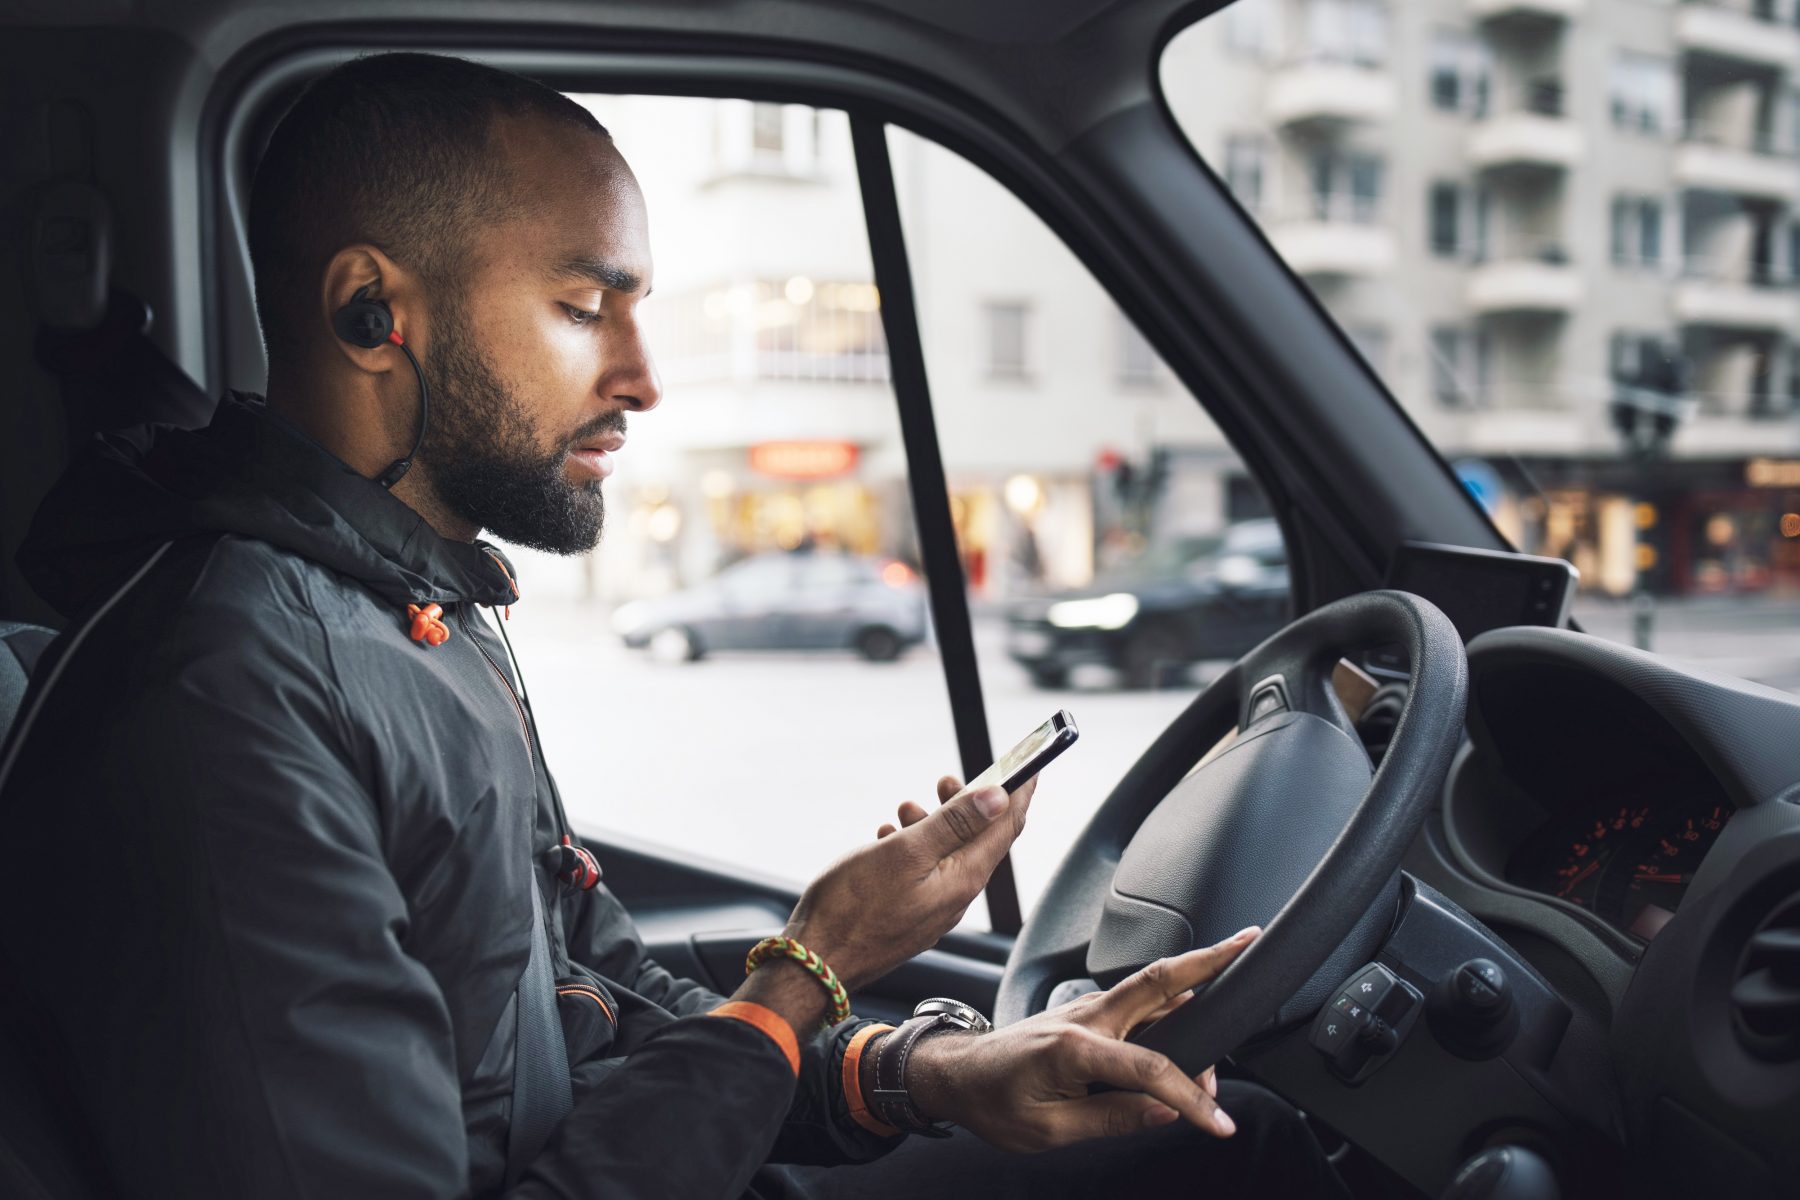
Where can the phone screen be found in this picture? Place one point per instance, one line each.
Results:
(1030, 755)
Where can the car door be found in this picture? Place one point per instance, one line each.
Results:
(754, 605)
(826, 606)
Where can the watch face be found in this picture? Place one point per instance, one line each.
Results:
(955, 1011)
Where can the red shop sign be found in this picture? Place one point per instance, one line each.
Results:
(803, 460)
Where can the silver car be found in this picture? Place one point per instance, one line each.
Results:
(799, 601)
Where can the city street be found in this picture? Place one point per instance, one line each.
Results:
(779, 762)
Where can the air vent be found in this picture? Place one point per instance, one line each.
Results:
(1765, 999)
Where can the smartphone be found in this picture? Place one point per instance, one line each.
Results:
(1031, 755)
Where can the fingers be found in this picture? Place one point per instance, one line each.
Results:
(1209, 1082)
(1114, 1114)
(1133, 1000)
(1135, 1069)
(947, 787)
(1160, 1013)
(910, 814)
(960, 822)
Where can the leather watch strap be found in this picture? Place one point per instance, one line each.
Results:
(889, 1098)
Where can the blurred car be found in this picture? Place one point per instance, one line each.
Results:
(784, 601)
(1156, 616)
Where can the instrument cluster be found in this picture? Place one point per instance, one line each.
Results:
(1629, 863)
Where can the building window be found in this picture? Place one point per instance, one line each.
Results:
(766, 139)
(1461, 70)
(1446, 219)
(1642, 93)
(1244, 156)
(1346, 187)
(1139, 365)
(765, 128)
(1459, 366)
(1250, 28)
(1457, 221)
(1354, 31)
(1006, 320)
(1637, 228)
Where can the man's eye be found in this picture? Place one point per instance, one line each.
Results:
(580, 316)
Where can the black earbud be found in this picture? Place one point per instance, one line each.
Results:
(364, 322)
(368, 323)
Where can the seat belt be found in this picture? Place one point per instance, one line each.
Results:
(542, 1093)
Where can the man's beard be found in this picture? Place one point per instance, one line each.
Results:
(483, 456)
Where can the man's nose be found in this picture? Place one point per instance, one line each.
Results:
(633, 380)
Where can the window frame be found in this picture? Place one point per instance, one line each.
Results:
(1335, 551)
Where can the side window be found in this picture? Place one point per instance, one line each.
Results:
(1583, 291)
(748, 652)
(1117, 552)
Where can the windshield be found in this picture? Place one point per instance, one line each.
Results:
(1568, 239)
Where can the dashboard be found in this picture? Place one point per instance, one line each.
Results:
(1631, 828)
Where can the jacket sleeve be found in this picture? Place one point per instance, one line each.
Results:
(235, 988)
(824, 1124)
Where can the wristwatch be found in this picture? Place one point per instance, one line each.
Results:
(889, 1097)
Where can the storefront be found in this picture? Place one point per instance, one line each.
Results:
(1673, 528)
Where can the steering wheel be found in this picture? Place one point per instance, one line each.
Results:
(1286, 828)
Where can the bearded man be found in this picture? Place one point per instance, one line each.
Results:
(331, 934)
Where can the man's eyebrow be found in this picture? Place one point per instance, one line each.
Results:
(604, 274)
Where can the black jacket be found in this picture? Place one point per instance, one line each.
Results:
(264, 862)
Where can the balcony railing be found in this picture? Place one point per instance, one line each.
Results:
(1331, 86)
(1751, 31)
(1334, 234)
(1723, 135)
(1524, 280)
(1757, 10)
(1739, 271)
(1336, 208)
(1735, 293)
(1528, 128)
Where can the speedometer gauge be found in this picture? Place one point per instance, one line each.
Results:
(1628, 864)
(1657, 880)
(1587, 856)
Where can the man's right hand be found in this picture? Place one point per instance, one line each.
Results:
(883, 903)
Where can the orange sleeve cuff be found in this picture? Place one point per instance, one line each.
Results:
(859, 1108)
(772, 1024)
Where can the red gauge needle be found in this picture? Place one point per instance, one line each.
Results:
(1651, 877)
(1585, 872)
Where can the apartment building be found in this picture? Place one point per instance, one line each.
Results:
(1566, 232)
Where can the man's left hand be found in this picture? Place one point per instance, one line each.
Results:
(1025, 1087)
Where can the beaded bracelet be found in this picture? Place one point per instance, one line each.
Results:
(786, 947)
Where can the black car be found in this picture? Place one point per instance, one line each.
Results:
(1151, 619)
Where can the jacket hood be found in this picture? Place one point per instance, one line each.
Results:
(252, 474)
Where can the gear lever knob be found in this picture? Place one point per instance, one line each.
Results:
(1504, 1173)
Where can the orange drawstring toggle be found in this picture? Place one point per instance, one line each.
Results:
(427, 624)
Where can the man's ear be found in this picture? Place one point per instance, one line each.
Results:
(364, 268)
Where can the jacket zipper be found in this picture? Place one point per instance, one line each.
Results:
(518, 705)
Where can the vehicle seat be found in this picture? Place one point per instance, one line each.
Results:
(36, 1162)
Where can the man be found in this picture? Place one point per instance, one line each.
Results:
(283, 849)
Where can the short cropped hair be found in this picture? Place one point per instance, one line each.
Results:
(394, 150)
